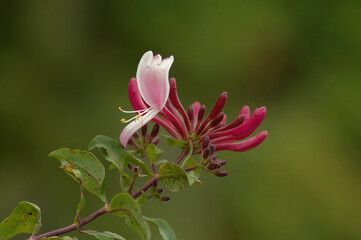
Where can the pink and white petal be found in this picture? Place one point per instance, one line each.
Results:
(152, 79)
(132, 127)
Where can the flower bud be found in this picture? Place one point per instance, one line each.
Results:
(214, 156)
(205, 143)
(190, 113)
(217, 120)
(130, 166)
(220, 173)
(206, 153)
(213, 165)
(164, 198)
(154, 132)
(136, 169)
(212, 148)
(221, 101)
(156, 140)
(220, 162)
(131, 142)
(144, 130)
(159, 190)
(136, 136)
(201, 113)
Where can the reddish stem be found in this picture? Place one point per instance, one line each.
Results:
(93, 216)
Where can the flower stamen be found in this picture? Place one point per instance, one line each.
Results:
(139, 115)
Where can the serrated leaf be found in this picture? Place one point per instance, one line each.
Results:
(165, 230)
(112, 150)
(123, 205)
(153, 152)
(137, 162)
(25, 218)
(104, 235)
(173, 176)
(92, 172)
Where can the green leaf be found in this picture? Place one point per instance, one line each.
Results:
(173, 176)
(191, 163)
(125, 182)
(104, 235)
(137, 162)
(153, 152)
(88, 169)
(141, 199)
(193, 180)
(174, 142)
(160, 161)
(193, 176)
(123, 205)
(164, 229)
(25, 218)
(112, 150)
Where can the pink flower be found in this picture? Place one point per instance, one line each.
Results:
(213, 128)
(148, 92)
(212, 131)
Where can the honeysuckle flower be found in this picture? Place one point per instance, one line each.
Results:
(194, 126)
(151, 89)
(204, 134)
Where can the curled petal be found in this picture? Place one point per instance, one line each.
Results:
(132, 127)
(152, 79)
(244, 145)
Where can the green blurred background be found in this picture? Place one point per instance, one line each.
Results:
(65, 67)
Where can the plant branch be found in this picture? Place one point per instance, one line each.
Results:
(145, 187)
(94, 215)
(132, 184)
(71, 227)
(191, 168)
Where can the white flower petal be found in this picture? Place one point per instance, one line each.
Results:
(132, 127)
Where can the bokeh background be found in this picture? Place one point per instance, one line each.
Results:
(64, 70)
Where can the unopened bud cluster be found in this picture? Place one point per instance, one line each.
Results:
(142, 140)
(210, 160)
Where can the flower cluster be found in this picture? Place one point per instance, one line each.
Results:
(152, 94)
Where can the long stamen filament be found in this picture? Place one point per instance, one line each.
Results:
(138, 111)
(139, 115)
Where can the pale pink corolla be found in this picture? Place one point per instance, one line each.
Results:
(153, 85)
